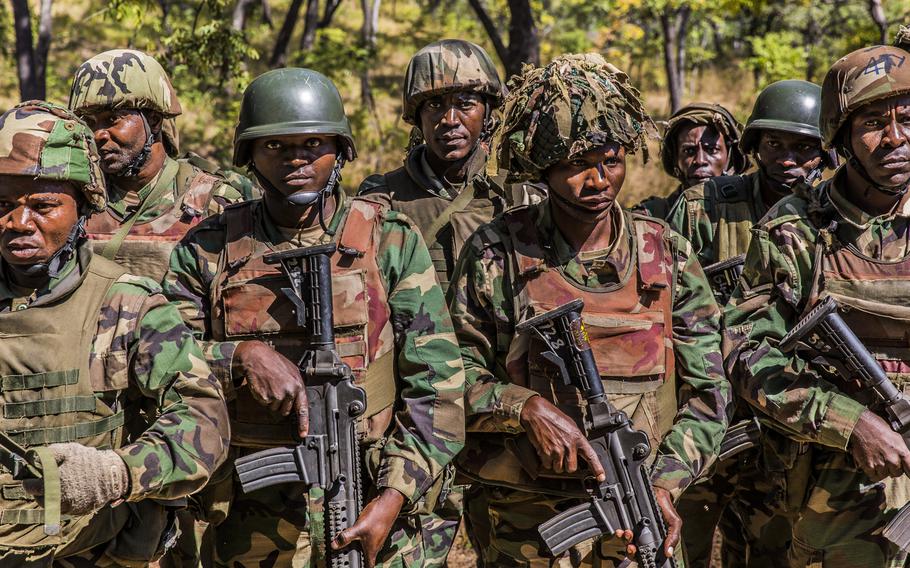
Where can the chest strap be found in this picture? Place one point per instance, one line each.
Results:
(69, 433)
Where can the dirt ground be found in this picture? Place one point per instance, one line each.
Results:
(462, 554)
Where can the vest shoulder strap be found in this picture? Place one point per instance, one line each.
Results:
(199, 186)
(652, 235)
(360, 227)
(529, 254)
(239, 226)
(728, 189)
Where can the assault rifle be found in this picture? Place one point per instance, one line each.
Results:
(625, 500)
(328, 457)
(723, 277)
(829, 337)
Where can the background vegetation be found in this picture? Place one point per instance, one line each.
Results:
(675, 51)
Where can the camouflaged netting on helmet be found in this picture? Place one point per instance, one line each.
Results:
(864, 76)
(45, 141)
(702, 114)
(574, 104)
(446, 66)
(126, 78)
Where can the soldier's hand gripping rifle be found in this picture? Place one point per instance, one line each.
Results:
(328, 457)
(828, 337)
(625, 499)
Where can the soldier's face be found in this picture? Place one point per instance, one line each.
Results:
(452, 123)
(120, 136)
(786, 156)
(880, 140)
(296, 162)
(36, 217)
(702, 153)
(587, 185)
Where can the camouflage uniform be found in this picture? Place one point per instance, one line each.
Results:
(811, 245)
(115, 360)
(186, 190)
(434, 205)
(652, 321)
(693, 114)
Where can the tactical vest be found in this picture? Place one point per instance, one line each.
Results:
(147, 248)
(424, 208)
(730, 205)
(247, 303)
(47, 394)
(630, 329)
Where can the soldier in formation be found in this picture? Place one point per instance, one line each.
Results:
(118, 403)
(126, 98)
(653, 323)
(392, 328)
(701, 141)
(843, 468)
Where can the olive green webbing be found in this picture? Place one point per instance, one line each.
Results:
(379, 384)
(460, 202)
(46, 407)
(39, 380)
(52, 494)
(163, 186)
(69, 433)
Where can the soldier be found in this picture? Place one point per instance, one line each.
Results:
(782, 134)
(127, 99)
(392, 327)
(652, 320)
(100, 376)
(451, 91)
(701, 142)
(846, 239)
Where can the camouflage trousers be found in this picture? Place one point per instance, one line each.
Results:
(742, 501)
(503, 527)
(439, 528)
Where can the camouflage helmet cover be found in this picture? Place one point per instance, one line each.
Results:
(46, 141)
(576, 103)
(445, 66)
(861, 77)
(703, 114)
(126, 78)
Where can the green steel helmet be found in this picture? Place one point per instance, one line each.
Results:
(864, 76)
(291, 101)
(787, 106)
(576, 103)
(42, 140)
(703, 114)
(446, 66)
(126, 78)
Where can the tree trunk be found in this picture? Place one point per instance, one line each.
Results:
(280, 53)
(44, 45)
(492, 31)
(329, 13)
(878, 16)
(241, 11)
(674, 24)
(26, 60)
(524, 44)
(310, 25)
(368, 37)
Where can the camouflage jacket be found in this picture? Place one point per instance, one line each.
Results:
(657, 206)
(482, 307)
(778, 283)
(144, 360)
(428, 427)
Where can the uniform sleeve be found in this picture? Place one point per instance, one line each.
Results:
(690, 219)
(771, 294)
(224, 194)
(428, 426)
(481, 311)
(189, 438)
(191, 269)
(704, 394)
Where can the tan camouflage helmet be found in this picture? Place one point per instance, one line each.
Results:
(576, 103)
(126, 78)
(864, 76)
(46, 141)
(446, 66)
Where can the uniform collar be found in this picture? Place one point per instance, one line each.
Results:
(123, 203)
(855, 216)
(278, 235)
(422, 173)
(615, 258)
(66, 281)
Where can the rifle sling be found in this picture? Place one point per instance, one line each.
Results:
(431, 235)
(52, 493)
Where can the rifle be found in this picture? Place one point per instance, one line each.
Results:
(827, 334)
(329, 456)
(625, 500)
(723, 277)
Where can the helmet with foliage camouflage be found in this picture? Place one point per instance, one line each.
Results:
(42, 140)
(291, 101)
(126, 78)
(702, 114)
(786, 106)
(446, 66)
(576, 103)
(864, 76)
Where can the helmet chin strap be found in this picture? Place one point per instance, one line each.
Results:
(307, 198)
(135, 165)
